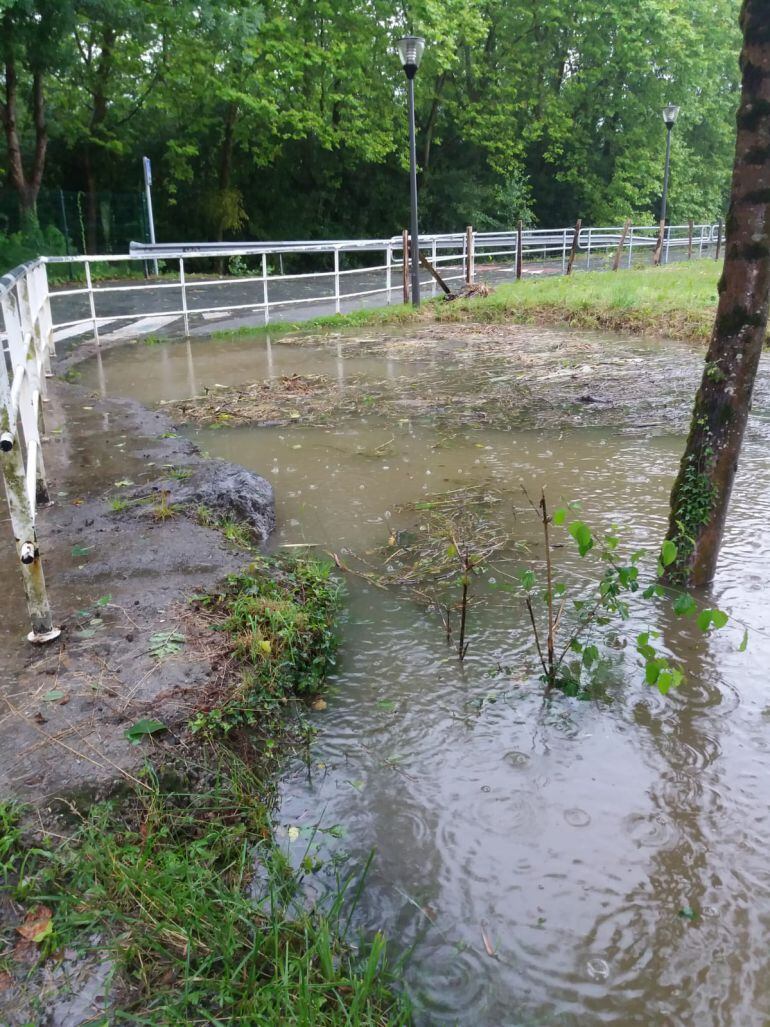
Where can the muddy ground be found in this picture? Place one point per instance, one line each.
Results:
(119, 570)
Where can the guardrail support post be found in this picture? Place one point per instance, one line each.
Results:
(519, 237)
(588, 256)
(22, 523)
(336, 280)
(689, 239)
(92, 305)
(24, 362)
(264, 289)
(630, 245)
(573, 248)
(433, 264)
(183, 284)
(621, 244)
(405, 248)
(471, 248)
(388, 270)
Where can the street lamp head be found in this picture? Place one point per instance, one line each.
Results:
(670, 114)
(410, 50)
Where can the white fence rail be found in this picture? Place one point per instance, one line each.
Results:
(25, 362)
(356, 271)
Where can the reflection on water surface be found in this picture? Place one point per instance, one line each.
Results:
(612, 857)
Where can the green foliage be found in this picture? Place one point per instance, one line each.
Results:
(166, 882)
(567, 641)
(279, 620)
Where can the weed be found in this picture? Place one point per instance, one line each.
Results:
(167, 883)
(164, 510)
(119, 505)
(237, 532)
(278, 618)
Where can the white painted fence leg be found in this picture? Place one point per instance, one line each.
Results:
(92, 305)
(388, 271)
(183, 283)
(265, 300)
(22, 521)
(630, 245)
(564, 251)
(336, 281)
(433, 260)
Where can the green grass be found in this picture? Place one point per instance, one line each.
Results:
(200, 911)
(164, 880)
(678, 301)
(279, 621)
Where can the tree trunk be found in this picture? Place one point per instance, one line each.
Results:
(27, 187)
(701, 493)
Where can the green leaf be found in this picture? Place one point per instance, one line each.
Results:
(81, 550)
(744, 642)
(559, 516)
(165, 643)
(685, 605)
(582, 535)
(141, 728)
(668, 553)
(53, 696)
(527, 579)
(719, 618)
(704, 620)
(103, 600)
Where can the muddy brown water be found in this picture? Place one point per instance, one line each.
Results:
(570, 862)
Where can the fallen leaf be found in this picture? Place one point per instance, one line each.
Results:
(488, 946)
(138, 731)
(320, 704)
(37, 925)
(53, 696)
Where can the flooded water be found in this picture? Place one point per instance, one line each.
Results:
(564, 862)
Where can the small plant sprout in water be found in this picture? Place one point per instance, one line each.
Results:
(567, 627)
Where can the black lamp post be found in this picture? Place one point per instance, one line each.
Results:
(670, 114)
(410, 50)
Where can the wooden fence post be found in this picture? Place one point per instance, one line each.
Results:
(689, 239)
(621, 244)
(405, 244)
(573, 248)
(518, 248)
(719, 240)
(470, 264)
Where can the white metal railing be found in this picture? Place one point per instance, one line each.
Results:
(25, 362)
(30, 329)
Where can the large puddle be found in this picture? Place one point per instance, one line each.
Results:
(570, 862)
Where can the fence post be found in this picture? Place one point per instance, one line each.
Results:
(573, 248)
(24, 364)
(91, 303)
(23, 525)
(630, 244)
(588, 256)
(689, 239)
(336, 280)
(656, 253)
(719, 240)
(405, 247)
(388, 262)
(184, 296)
(621, 244)
(564, 250)
(264, 289)
(46, 319)
(433, 260)
(519, 239)
(470, 246)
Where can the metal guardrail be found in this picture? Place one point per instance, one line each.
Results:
(25, 362)
(30, 330)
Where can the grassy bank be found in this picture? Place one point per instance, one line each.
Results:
(678, 302)
(182, 888)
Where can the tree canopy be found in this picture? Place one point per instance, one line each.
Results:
(287, 118)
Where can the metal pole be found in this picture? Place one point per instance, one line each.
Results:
(388, 278)
(471, 248)
(147, 168)
(336, 280)
(415, 240)
(91, 303)
(573, 248)
(184, 296)
(665, 174)
(519, 244)
(433, 261)
(405, 264)
(264, 288)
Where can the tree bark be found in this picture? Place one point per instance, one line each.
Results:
(701, 493)
(27, 186)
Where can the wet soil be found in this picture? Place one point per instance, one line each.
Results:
(116, 579)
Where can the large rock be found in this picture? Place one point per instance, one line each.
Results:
(228, 490)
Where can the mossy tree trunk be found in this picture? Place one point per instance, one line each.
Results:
(701, 493)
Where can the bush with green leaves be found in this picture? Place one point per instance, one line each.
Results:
(567, 628)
